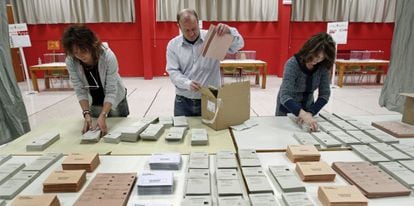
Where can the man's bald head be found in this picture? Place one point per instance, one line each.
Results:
(187, 15)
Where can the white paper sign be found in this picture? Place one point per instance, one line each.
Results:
(338, 31)
(19, 36)
(211, 106)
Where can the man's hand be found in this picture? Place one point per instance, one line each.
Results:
(222, 29)
(307, 118)
(195, 86)
(87, 125)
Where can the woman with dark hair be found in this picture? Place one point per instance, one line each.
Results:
(305, 72)
(93, 70)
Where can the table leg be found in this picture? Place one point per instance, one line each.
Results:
(264, 76)
(47, 80)
(257, 75)
(341, 70)
(34, 80)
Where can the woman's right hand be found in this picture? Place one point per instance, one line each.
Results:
(87, 125)
(307, 118)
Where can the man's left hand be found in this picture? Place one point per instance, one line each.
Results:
(222, 29)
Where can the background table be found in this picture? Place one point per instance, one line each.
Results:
(56, 66)
(258, 64)
(342, 64)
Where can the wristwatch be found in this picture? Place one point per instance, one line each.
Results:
(85, 112)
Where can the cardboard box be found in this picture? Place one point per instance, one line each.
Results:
(36, 200)
(302, 153)
(408, 112)
(341, 195)
(227, 106)
(77, 161)
(315, 171)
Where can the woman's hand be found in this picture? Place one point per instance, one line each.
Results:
(307, 118)
(87, 125)
(101, 123)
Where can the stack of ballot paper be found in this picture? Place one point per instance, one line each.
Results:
(297, 199)
(43, 162)
(286, 178)
(108, 189)
(302, 153)
(167, 121)
(248, 158)
(199, 160)
(198, 182)
(91, 136)
(76, 161)
(228, 182)
(36, 200)
(341, 195)
(371, 180)
(152, 132)
(43, 141)
(65, 181)
(176, 134)
(180, 121)
(4, 158)
(10, 188)
(131, 133)
(155, 183)
(265, 199)
(199, 137)
(226, 160)
(8, 170)
(256, 180)
(232, 201)
(197, 200)
(113, 137)
(315, 171)
(165, 161)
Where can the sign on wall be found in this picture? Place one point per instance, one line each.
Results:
(19, 36)
(338, 31)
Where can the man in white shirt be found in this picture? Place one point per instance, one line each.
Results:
(188, 70)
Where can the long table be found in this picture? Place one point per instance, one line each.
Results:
(45, 68)
(258, 64)
(70, 138)
(343, 64)
(137, 164)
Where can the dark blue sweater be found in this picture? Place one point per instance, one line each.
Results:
(298, 85)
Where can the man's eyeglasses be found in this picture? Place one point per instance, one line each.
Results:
(92, 87)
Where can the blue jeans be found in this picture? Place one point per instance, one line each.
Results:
(184, 106)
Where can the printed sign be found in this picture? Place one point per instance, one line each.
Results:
(338, 31)
(19, 36)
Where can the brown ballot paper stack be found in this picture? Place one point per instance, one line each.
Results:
(108, 189)
(36, 200)
(76, 161)
(315, 171)
(302, 153)
(65, 181)
(216, 46)
(341, 196)
(370, 179)
(395, 128)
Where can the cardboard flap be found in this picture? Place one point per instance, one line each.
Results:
(206, 91)
(234, 89)
(411, 95)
